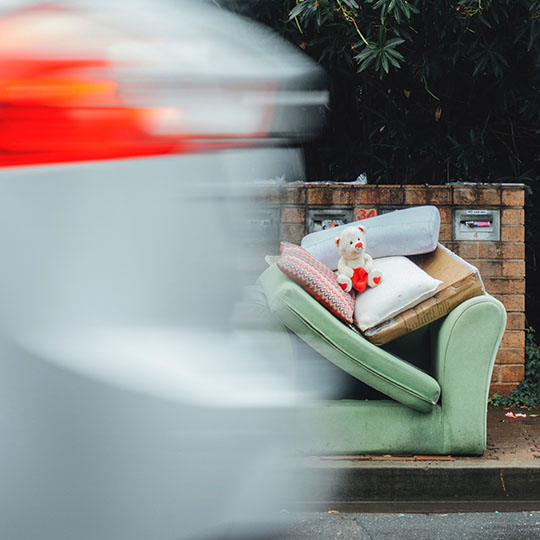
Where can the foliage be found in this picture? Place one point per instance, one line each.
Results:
(528, 392)
(423, 91)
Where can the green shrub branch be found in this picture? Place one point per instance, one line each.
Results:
(527, 394)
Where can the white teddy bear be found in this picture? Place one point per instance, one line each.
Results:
(355, 268)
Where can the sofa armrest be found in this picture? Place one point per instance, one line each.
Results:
(465, 346)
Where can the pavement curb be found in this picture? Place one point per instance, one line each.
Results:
(505, 478)
(435, 486)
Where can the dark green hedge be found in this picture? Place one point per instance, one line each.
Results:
(422, 91)
(425, 91)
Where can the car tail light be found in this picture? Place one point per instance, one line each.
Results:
(96, 103)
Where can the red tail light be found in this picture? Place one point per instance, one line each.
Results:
(55, 109)
(48, 116)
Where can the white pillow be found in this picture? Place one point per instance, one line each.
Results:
(404, 232)
(403, 286)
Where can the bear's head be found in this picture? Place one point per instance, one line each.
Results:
(352, 242)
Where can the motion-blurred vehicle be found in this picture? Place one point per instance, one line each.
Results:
(131, 136)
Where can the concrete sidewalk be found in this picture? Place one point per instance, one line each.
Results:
(506, 477)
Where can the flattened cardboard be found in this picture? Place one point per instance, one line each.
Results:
(461, 281)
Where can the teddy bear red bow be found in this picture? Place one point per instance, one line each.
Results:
(355, 268)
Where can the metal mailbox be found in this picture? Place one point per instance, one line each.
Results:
(389, 209)
(477, 224)
(328, 217)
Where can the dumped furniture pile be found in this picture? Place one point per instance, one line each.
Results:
(425, 339)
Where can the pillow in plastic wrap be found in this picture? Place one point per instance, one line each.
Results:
(412, 231)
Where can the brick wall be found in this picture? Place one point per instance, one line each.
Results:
(501, 263)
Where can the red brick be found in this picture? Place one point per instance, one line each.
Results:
(293, 214)
(512, 216)
(512, 373)
(446, 214)
(515, 321)
(477, 195)
(391, 195)
(489, 268)
(502, 389)
(293, 195)
(292, 232)
(445, 233)
(514, 251)
(439, 195)
(379, 195)
(513, 268)
(496, 374)
(513, 355)
(490, 250)
(501, 250)
(510, 356)
(514, 338)
(467, 250)
(512, 302)
(512, 233)
(504, 285)
(330, 196)
(367, 195)
(513, 196)
(416, 195)
(450, 245)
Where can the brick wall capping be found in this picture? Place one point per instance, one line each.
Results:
(452, 193)
(326, 183)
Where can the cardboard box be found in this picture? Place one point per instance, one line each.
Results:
(461, 281)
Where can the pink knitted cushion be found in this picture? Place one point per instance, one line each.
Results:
(317, 279)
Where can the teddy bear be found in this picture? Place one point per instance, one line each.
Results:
(355, 268)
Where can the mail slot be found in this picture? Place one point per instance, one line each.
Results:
(328, 217)
(477, 224)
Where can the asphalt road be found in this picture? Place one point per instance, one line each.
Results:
(459, 526)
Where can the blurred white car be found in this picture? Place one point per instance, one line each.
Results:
(131, 134)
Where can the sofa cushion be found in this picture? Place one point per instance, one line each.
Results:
(345, 346)
(404, 232)
(404, 285)
(317, 279)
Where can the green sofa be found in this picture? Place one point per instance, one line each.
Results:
(434, 382)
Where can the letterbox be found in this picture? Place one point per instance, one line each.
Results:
(328, 217)
(477, 224)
